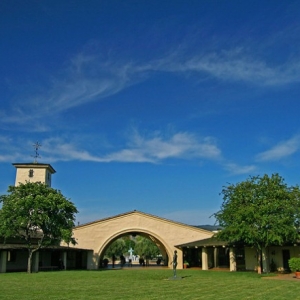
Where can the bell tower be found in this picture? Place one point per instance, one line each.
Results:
(34, 172)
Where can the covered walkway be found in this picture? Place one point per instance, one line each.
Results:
(212, 253)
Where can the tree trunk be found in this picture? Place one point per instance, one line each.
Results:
(29, 261)
(259, 262)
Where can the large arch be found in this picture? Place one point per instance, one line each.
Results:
(165, 249)
(97, 235)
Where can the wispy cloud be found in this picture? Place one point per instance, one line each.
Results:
(236, 169)
(86, 79)
(57, 149)
(9, 150)
(281, 150)
(153, 149)
(90, 78)
(233, 65)
(158, 147)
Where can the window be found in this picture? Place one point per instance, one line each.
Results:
(30, 173)
(49, 179)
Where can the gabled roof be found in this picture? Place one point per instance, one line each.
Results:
(146, 215)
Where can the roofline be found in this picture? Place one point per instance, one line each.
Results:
(145, 214)
(213, 242)
(34, 165)
(209, 242)
(24, 247)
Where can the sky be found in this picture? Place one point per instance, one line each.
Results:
(152, 106)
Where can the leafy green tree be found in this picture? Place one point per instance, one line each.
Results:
(117, 248)
(146, 247)
(260, 212)
(129, 242)
(38, 215)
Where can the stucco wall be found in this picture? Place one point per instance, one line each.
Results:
(39, 175)
(250, 259)
(273, 253)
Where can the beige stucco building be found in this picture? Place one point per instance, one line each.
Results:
(165, 233)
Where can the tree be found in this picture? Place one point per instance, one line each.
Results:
(120, 246)
(117, 248)
(38, 215)
(259, 212)
(146, 247)
(129, 243)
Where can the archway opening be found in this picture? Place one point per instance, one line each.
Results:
(134, 250)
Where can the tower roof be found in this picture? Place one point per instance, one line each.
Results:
(35, 166)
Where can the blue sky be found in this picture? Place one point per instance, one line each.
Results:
(150, 105)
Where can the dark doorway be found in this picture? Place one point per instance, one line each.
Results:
(78, 261)
(55, 255)
(240, 259)
(285, 258)
(223, 259)
(192, 256)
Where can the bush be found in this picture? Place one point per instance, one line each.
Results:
(294, 264)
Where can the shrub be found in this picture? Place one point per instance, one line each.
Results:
(294, 264)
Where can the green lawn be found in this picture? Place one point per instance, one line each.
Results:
(144, 284)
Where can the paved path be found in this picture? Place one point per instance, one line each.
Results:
(283, 277)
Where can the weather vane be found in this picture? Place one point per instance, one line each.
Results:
(36, 155)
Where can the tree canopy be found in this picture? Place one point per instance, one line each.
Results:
(260, 212)
(38, 215)
(141, 245)
(146, 247)
(116, 248)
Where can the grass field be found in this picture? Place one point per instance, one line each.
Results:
(144, 284)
